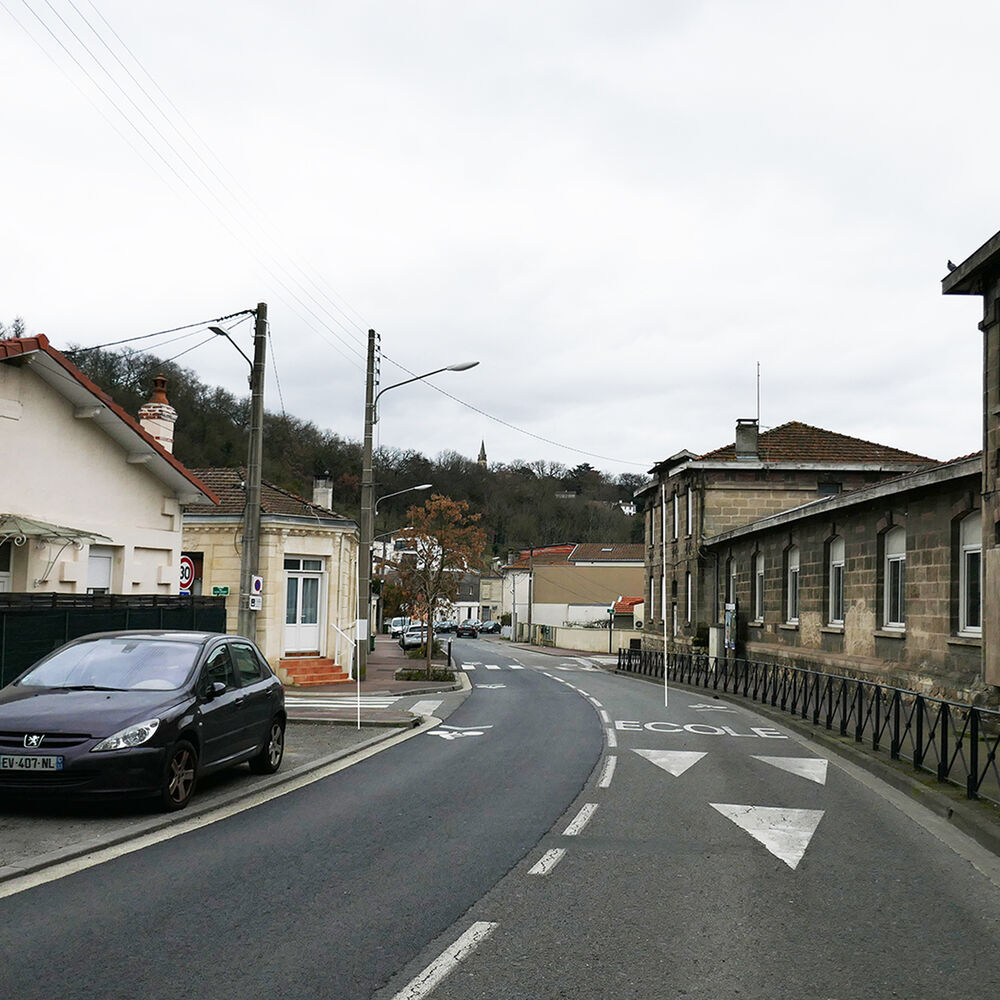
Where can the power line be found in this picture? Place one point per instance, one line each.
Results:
(160, 333)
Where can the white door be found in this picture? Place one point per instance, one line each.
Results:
(303, 590)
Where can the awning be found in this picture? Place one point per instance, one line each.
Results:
(19, 529)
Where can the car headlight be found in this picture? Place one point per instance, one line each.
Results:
(133, 736)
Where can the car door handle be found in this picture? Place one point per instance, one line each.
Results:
(240, 700)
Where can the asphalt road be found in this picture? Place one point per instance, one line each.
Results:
(328, 890)
(564, 834)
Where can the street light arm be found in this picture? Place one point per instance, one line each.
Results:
(409, 489)
(219, 332)
(460, 367)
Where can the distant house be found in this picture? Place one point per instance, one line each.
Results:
(90, 496)
(309, 564)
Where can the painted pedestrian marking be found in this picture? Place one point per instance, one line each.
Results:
(338, 701)
(468, 666)
(490, 687)
(674, 762)
(426, 707)
(457, 732)
(811, 768)
(698, 729)
(784, 832)
(548, 861)
(492, 666)
(516, 666)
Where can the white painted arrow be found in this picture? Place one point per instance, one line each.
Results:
(674, 762)
(812, 768)
(784, 832)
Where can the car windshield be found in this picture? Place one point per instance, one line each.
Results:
(116, 664)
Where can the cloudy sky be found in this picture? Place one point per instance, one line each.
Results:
(618, 209)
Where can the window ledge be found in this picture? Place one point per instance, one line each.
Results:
(965, 640)
(834, 629)
(755, 624)
(890, 633)
(789, 626)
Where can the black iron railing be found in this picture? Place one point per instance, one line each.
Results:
(955, 742)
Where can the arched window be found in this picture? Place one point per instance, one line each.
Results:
(894, 597)
(970, 618)
(758, 587)
(792, 589)
(837, 581)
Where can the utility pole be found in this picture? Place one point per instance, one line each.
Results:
(367, 516)
(250, 555)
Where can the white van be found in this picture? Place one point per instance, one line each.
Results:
(397, 626)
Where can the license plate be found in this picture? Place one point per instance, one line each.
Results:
(23, 762)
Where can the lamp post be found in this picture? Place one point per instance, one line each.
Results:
(409, 489)
(368, 491)
(250, 553)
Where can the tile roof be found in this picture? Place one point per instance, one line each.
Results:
(609, 552)
(541, 555)
(15, 347)
(627, 604)
(228, 485)
(798, 442)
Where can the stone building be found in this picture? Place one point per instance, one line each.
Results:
(693, 497)
(881, 583)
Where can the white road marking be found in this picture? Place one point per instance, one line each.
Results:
(447, 961)
(581, 820)
(605, 718)
(811, 768)
(784, 832)
(490, 687)
(562, 666)
(612, 739)
(595, 702)
(468, 666)
(674, 762)
(609, 770)
(516, 666)
(699, 729)
(339, 701)
(548, 861)
(492, 666)
(426, 707)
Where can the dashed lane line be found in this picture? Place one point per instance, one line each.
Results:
(582, 818)
(548, 861)
(447, 961)
(610, 762)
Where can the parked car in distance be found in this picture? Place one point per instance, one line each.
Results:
(414, 636)
(466, 631)
(490, 628)
(397, 626)
(443, 627)
(140, 713)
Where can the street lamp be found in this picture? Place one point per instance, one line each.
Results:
(409, 489)
(368, 492)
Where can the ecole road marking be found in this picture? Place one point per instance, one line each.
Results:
(699, 729)
(582, 819)
(447, 961)
(548, 861)
(608, 773)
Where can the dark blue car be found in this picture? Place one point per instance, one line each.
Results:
(140, 713)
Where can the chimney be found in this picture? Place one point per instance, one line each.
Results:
(157, 417)
(323, 491)
(746, 439)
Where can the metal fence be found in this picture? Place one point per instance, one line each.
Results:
(955, 742)
(32, 625)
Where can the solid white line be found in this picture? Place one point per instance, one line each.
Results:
(605, 718)
(608, 773)
(447, 961)
(612, 739)
(548, 861)
(582, 819)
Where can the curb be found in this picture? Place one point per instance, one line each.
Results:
(42, 861)
(976, 818)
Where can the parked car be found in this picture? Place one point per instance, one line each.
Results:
(444, 627)
(398, 626)
(140, 713)
(490, 628)
(414, 637)
(466, 631)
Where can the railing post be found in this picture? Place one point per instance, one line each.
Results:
(895, 741)
(972, 780)
(843, 708)
(859, 724)
(877, 716)
(942, 769)
(918, 750)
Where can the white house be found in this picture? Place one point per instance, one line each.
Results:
(90, 498)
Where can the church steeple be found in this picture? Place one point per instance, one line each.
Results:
(481, 461)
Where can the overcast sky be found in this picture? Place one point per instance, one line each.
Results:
(618, 209)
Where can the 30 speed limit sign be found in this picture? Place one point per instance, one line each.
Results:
(187, 574)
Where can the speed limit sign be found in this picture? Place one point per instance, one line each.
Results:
(187, 574)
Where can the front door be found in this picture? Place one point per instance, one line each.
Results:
(303, 589)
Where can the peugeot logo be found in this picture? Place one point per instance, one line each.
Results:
(32, 740)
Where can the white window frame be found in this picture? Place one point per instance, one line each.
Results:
(836, 574)
(689, 597)
(758, 587)
(894, 582)
(676, 516)
(970, 546)
(792, 587)
(690, 518)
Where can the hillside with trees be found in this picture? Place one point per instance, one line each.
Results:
(520, 503)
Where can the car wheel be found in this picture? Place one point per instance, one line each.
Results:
(269, 759)
(179, 776)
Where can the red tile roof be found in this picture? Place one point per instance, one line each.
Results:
(798, 442)
(18, 346)
(228, 484)
(610, 552)
(627, 604)
(542, 555)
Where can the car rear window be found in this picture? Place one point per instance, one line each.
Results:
(121, 664)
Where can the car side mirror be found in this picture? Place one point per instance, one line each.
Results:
(214, 689)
